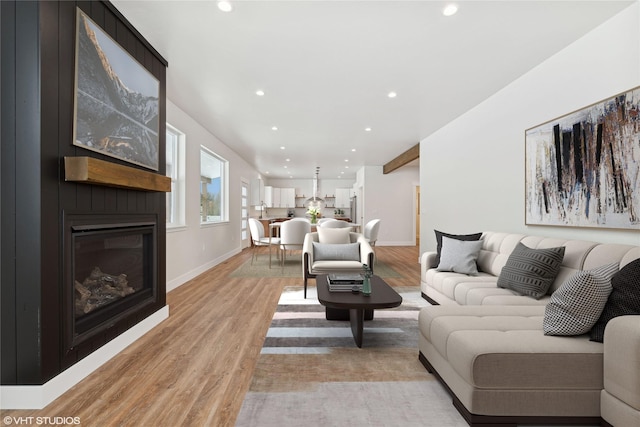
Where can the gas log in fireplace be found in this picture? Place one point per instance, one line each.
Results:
(110, 272)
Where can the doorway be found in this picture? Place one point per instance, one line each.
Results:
(417, 215)
(244, 227)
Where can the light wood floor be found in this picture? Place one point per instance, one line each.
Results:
(194, 368)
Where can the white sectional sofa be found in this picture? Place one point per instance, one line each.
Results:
(454, 288)
(488, 346)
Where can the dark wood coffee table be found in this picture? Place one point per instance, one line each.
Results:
(356, 306)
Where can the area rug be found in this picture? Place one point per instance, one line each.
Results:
(292, 267)
(310, 371)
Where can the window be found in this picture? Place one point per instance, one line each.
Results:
(175, 170)
(213, 187)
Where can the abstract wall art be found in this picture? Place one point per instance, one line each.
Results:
(116, 99)
(583, 169)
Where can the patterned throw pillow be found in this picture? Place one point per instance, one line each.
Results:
(531, 271)
(576, 305)
(624, 298)
(440, 234)
(459, 256)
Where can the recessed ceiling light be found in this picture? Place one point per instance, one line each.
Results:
(287, 160)
(274, 128)
(346, 160)
(225, 6)
(450, 10)
(260, 92)
(353, 149)
(367, 129)
(285, 166)
(282, 147)
(392, 94)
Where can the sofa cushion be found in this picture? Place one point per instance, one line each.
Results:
(334, 235)
(504, 348)
(447, 282)
(576, 306)
(624, 298)
(459, 256)
(520, 358)
(531, 271)
(464, 237)
(338, 252)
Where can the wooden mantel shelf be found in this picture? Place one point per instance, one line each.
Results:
(98, 172)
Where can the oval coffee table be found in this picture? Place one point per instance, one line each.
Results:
(356, 307)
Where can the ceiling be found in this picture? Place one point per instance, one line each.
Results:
(326, 68)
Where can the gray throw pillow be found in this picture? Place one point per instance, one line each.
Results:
(336, 252)
(624, 298)
(531, 271)
(576, 305)
(459, 256)
(441, 234)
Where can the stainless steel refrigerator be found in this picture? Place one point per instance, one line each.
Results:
(353, 208)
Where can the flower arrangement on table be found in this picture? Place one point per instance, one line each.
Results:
(315, 213)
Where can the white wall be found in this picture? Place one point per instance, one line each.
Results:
(472, 170)
(193, 249)
(391, 198)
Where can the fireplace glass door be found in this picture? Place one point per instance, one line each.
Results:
(113, 271)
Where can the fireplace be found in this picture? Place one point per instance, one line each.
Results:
(111, 272)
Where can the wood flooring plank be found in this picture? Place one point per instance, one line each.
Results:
(196, 366)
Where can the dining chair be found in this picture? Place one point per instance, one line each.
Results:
(259, 239)
(292, 235)
(335, 223)
(371, 231)
(299, 218)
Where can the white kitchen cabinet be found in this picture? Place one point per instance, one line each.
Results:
(287, 197)
(268, 196)
(276, 197)
(342, 198)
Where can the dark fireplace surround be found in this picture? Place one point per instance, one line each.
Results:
(81, 263)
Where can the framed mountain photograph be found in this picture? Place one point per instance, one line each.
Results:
(116, 99)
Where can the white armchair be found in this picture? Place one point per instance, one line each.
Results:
(325, 258)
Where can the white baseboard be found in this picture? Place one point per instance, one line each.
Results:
(39, 396)
(184, 278)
